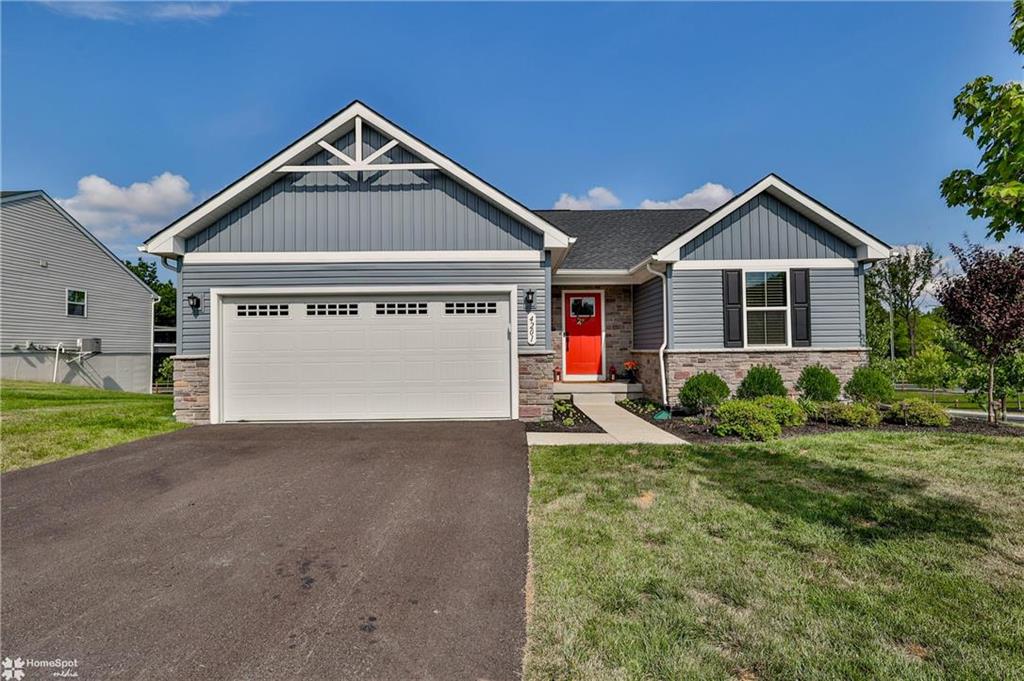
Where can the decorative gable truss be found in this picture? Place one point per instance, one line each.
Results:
(355, 140)
(377, 160)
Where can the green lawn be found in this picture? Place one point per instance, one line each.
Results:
(848, 556)
(956, 400)
(42, 422)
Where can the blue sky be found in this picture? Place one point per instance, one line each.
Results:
(849, 101)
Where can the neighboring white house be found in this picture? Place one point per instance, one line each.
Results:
(67, 301)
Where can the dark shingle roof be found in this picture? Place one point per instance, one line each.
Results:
(619, 239)
(5, 194)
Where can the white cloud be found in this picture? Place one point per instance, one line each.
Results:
(128, 12)
(595, 199)
(709, 196)
(121, 216)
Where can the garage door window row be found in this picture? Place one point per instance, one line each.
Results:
(263, 310)
(473, 307)
(332, 309)
(401, 308)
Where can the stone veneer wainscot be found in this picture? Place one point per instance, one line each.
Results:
(732, 365)
(192, 388)
(535, 387)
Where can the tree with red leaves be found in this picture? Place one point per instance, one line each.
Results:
(985, 305)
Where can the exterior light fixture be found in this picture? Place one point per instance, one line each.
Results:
(529, 297)
(193, 301)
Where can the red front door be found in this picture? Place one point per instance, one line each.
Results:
(582, 324)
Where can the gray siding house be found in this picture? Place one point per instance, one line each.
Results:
(361, 274)
(67, 303)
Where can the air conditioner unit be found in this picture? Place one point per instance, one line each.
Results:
(90, 345)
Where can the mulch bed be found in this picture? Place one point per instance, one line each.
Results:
(693, 431)
(581, 424)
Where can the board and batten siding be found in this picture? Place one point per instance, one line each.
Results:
(648, 311)
(697, 309)
(198, 279)
(837, 308)
(396, 210)
(33, 298)
(765, 228)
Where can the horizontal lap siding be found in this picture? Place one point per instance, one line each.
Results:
(697, 309)
(765, 228)
(396, 210)
(648, 309)
(837, 312)
(33, 298)
(198, 279)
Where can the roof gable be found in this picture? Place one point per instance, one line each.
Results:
(866, 246)
(10, 197)
(308, 153)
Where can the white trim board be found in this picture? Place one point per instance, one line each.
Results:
(216, 301)
(868, 247)
(302, 257)
(763, 265)
(170, 241)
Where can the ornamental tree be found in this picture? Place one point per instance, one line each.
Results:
(901, 282)
(985, 305)
(993, 117)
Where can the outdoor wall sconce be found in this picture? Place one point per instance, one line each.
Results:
(529, 297)
(193, 301)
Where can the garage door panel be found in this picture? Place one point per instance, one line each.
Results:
(336, 358)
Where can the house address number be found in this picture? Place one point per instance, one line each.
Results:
(531, 328)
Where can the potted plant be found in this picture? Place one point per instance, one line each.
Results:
(631, 368)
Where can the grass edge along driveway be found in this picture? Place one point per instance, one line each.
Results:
(847, 556)
(43, 422)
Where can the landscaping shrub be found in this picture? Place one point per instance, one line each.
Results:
(916, 412)
(787, 413)
(702, 393)
(761, 380)
(870, 385)
(746, 419)
(847, 414)
(818, 383)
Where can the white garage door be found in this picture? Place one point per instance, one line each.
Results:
(365, 357)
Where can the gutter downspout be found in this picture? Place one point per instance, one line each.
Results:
(56, 360)
(664, 333)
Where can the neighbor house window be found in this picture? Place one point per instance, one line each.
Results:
(76, 303)
(766, 308)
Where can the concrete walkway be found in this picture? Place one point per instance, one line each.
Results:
(619, 425)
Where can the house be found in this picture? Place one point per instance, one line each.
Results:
(70, 311)
(361, 274)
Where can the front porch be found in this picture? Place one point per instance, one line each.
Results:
(619, 390)
(616, 319)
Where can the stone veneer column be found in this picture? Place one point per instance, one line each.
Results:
(732, 366)
(192, 388)
(535, 387)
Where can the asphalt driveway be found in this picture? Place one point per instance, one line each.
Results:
(315, 551)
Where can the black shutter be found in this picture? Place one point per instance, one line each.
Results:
(800, 306)
(732, 307)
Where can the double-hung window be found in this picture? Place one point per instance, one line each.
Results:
(76, 303)
(767, 308)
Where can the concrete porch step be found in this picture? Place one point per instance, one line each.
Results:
(564, 390)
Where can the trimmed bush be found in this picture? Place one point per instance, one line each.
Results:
(847, 414)
(870, 385)
(746, 419)
(818, 383)
(702, 393)
(917, 412)
(761, 380)
(786, 412)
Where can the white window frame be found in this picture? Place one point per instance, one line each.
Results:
(84, 303)
(787, 309)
